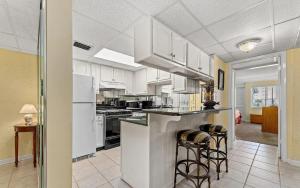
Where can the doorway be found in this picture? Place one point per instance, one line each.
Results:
(250, 100)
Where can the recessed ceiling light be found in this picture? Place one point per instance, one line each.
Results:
(248, 45)
(117, 57)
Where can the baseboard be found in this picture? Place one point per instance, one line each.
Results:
(293, 162)
(12, 160)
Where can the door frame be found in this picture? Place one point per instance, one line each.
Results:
(282, 121)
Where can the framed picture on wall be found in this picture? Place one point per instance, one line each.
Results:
(220, 79)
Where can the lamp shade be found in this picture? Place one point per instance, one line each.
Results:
(28, 109)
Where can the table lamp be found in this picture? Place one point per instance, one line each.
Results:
(28, 110)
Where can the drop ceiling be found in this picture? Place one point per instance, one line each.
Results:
(215, 26)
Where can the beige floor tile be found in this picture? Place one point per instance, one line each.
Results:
(119, 183)
(291, 171)
(84, 173)
(81, 164)
(240, 159)
(4, 185)
(107, 185)
(227, 182)
(266, 175)
(243, 154)
(289, 181)
(260, 183)
(25, 182)
(254, 147)
(267, 149)
(5, 178)
(104, 164)
(238, 166)
(23, 171)
(235, 175)
(92, 181)
(267, 154)
(272, 161)
(111, 173)
(247, 150)
(266, 166)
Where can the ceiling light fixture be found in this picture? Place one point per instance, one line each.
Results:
(248, 45)
(263, 66)
(117, 57)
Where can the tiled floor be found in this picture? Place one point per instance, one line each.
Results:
(25, 176)
(251, 165)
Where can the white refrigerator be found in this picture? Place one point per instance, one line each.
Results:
(84, 116)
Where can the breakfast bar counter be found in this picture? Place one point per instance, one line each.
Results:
(148, 151)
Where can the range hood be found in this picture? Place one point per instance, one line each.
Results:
(109, 86)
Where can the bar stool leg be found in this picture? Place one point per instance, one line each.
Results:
(226, 153)
(208, 164)
(218, 156)
(176, 160)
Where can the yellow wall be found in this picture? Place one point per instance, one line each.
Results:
(293, 103)
(222, 117)
(18, 85)
(248, 109)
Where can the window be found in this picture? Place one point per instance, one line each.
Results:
(263, 96)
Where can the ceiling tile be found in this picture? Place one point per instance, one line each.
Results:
(265, 35)
(28, 46)
(25, 23)
(130, 31)
(226, 57)
(8, 40)
(201, 38)
(151, 7)
(286, 9)
(286, 34)
(115, 13)
(261, 50)
(213, 10)
(123, 44)
(92, 33)
(179, 20)
(215, 49)
(4, 21)
(242, 24)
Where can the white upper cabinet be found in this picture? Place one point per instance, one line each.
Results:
(95, 72)
(162, 40)
(193, 57)
(128, 82)
(205, 63)
(140, 83)
(179, 83)
(107, 74)
(152, 75)
(163, 75)
(185, 85)
(155, 45)
(179, 49)
(119, 75)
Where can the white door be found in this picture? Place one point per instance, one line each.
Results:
(162, 42)
(151, 75)
(193, 58)
(119, 75)
(163, 75)
(107, 74)
(204, 63)
(179, 49)
(179, 83)
(83, 89)
(84, 136)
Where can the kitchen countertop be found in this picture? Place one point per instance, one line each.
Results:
(184, 111)
(141, 120)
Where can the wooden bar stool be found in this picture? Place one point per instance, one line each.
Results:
(216, 155)
(196, 142)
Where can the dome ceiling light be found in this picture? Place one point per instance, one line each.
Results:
(248, 45)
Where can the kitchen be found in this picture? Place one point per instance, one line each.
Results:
(146, 77)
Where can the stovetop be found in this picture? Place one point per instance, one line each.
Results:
(113, 111)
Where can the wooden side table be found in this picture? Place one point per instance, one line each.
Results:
(24, 128)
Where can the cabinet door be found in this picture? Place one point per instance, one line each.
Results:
(162, 42)
(99, 130)
(163, 75)
(119, 75)
(179, 49)
(193, 58)
(140, 84)
(128, 82)
(81, 68)
(107, 74)
(179, 83)
(204, 63)
(151, 75)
